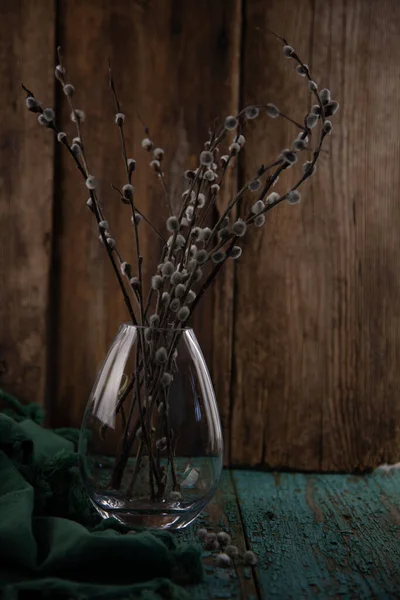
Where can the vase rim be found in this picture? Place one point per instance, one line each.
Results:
(156, 328)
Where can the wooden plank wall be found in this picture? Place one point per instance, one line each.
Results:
(303, 336)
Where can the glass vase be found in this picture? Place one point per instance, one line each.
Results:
(150, 448)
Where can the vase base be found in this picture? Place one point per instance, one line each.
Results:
(150, 520)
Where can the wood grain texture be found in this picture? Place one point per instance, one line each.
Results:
(323, 536)
(26, 191)
(178, 69)
(316, 341)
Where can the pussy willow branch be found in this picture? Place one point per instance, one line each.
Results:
(182, 254)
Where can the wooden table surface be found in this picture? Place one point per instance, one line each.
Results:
(316, 536)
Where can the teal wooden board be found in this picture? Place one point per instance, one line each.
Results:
(323, 536)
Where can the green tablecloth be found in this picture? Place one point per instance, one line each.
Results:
(52, 541)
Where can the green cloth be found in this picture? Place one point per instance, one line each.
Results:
(52, 542)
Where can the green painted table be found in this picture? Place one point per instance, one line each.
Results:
(316, 536)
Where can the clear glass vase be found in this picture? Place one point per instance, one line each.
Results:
(150, 449)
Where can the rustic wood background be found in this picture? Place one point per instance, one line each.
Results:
(303, 336)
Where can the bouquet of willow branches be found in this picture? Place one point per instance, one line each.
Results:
(193, 253)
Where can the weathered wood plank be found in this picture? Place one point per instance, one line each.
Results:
(319, 536)
(178, 68)
(26, 193)
(316, 340)
(222, 514)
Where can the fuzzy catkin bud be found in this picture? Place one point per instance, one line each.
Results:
(165, 298)
(241, 140)
(126, 269)
(119, 119)
(147, 144)
(180, 240)
(176, 277)
(156, 282)
(189, 174)
(161, 444)
(223, 233)
(172, 224)
(154, 321)
(302, 70)
(77, 115)
(180, 290)
(288, 51)
(312, 86)
(69, 90)
(316, 109)
(331, 108)
(254, 185)
(257, 207)
(299, 145)
(206, 158)
(156, 165)
(59, 72)
(272, 111)
(223, 538)
(231, 122)
(135, 283)
(103, 224)
(189, 213)
(239, 228)
(161, 355)
(223, 560)
(218, 256)
(206, 234)
(272, 198)
(136, 219)
(196, 234)
(89, 204)
(91, 182)
(215, 188)
(191, 296)
(311, 120)
(48, 114)
(201, 200)
(327, 127)
(325, 96)
(308, 167)
(201, 533)
(252, 112)
(175, 305)
(168, 268)
(127, 191)
(249, 558)
(210, 175)
(234, 149)
(236, 252)
(201, 256)
(232, 551)
(32, 104)
(183, 313)
(293, 197)
(158, 153)
(210, 541)
(289, 157)
(61, 136)
(131, 165)
(166, 379)
(76, 149)
(259, 220)
(111, 243)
